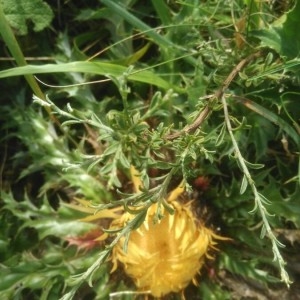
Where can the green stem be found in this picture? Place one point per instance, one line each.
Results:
(258, 198)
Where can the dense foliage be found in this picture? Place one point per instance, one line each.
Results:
(204, 91)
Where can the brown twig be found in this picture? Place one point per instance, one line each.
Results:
(216, 96)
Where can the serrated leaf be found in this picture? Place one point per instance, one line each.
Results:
(248, 269)
(283, 35)
(20, 13)
(59, 228)
(44, 219)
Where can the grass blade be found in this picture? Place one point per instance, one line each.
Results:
(98, 68)
(15, 50)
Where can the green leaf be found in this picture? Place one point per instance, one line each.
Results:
(283, 35)
(253, 166)
(287, 208)
(221, 135)
(162, 41)
(291, 65)
(9, 279)
(163, 11)
(244, 185)
(247, 269)
(44, 219)
(212, 291)
(98, 68)
(269, 115)
(133, 58)
(263, 232)
(59, 228)
(121, 10)
(20, 12)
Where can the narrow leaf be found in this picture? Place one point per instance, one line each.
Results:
(221, 135)
(244, 185)
(263, 232)
(98, 68)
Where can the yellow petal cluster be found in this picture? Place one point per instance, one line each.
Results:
(164, 256)
(161, 256)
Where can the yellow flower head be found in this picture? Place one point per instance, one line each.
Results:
(164, 256)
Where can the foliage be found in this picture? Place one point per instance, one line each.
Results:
(205, 91)
(281, 35)
(18, 13)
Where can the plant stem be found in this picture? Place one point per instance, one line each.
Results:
(259, 199)
(203, 114)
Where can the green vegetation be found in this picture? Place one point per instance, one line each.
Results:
(205, 91)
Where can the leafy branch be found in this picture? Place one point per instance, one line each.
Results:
(259, 199)
(78, 280)
(204, 113)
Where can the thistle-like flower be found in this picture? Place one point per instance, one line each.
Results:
(163, 256)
